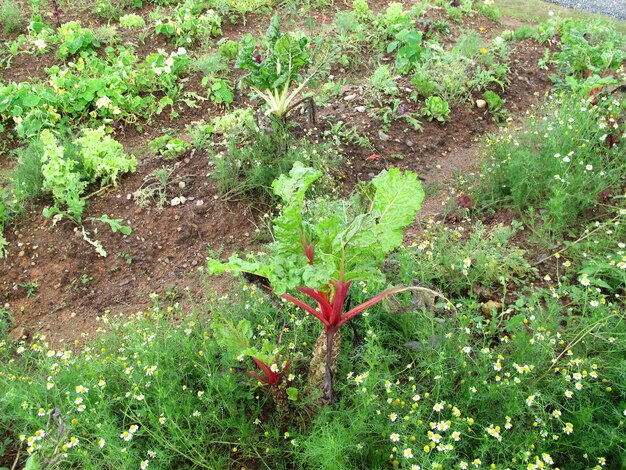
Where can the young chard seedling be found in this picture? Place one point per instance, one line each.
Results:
(272, 370)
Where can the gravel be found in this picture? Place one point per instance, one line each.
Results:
(613, 8)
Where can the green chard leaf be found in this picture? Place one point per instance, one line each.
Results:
(342, 235)
(398, 197)
(292, 189)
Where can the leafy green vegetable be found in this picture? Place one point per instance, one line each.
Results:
(272, 71)
(103, 157)
(168, 146)
(322, 246)
(100, 158)
(436, 108)
(61, 177)
(347, 238)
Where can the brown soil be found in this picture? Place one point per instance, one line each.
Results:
(75, 285)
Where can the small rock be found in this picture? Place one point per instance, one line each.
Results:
(409, 143)
(481, 104)
(349, 97)
(16, 334)
(175, 201)
(382, 136)
(360, 109)
(182, 185)
(21, 253)
(489, 306)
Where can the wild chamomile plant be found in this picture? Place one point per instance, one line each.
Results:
(323, 246)
(148, 392)
(480, 393)
(467, 260)
(570, 154)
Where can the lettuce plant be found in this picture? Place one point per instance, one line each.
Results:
(62, 178)
(323, 246)
(495, 105)
(132, 21)
(66, 175)
(436, 108)
(103, 157)
(168, 147)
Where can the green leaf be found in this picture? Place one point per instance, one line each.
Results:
(32, 463)
(318, 274)
(292, 189)
(245, 61)
(398, 197)
(237, 265)
(31, 100)
(236, 338)
(115, 224)
(292, 393)
(355, 228)
(273, 31)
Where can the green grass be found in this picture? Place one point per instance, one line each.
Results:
(537, 11)
(10, 16)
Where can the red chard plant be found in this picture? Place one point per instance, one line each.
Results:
(272, 370)
(322, 246)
